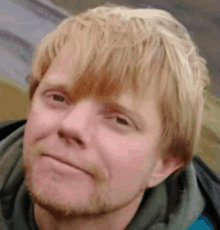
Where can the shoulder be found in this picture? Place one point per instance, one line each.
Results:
(7, 127)
(202, 167)
(202, 223)
(208, 179)
(12, 183)
(209, 184)
(203, 179)
(11, 136)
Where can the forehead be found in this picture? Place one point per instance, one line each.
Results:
(60, 70)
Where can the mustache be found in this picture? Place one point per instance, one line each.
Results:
(98, 174)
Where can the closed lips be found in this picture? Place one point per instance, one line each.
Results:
(64, 161)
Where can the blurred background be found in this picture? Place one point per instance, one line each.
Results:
(23, 23)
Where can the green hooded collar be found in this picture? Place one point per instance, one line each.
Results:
(153, 212)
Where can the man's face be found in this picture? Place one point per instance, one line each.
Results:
(87, 157)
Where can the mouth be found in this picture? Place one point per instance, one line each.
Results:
(67, 163)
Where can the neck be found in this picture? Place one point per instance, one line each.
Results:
(117, 220)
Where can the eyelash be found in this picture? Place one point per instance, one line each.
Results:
(51, 95)
(58, 96)
(120, 117)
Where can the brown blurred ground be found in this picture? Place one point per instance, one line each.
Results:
(209, 145)
(13, 100)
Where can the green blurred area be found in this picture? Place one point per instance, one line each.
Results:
(13, 94)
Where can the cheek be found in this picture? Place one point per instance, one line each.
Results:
(128, 155)
(127, 162)
(120, 152)
(44, 117)
(40, 118)
(39, 123)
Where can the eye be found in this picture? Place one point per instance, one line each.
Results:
(120, 120)
(57, 97)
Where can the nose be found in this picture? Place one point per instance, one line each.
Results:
(77, 127)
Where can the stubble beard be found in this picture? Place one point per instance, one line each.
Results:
(98, 204)
(94, 207)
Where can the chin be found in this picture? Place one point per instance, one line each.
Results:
(61, 206)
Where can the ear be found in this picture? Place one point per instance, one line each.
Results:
(163, 169)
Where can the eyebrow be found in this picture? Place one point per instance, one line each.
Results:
(60, 87)
(114, 106)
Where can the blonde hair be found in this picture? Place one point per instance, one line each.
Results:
(118, 49)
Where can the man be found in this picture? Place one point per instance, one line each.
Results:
(116, 107)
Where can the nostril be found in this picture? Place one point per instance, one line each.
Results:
(78, 141)
(61, 135)
(71, 138)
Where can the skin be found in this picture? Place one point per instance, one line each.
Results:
(117, 155)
